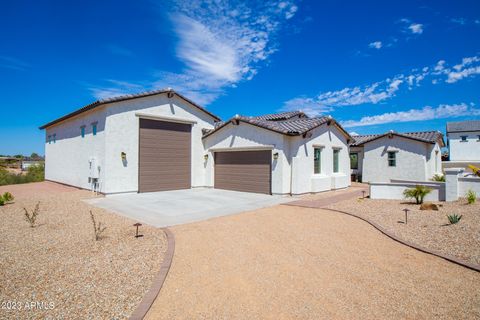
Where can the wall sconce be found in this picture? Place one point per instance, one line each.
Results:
(124, 156)
(205, 157)
(275, 156)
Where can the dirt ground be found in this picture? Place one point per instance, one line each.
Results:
(288, 262)
(60, 267)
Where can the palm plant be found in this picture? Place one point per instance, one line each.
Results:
(419, 193)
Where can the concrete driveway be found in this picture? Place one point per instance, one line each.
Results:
(168, 208)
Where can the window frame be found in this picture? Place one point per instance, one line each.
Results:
(356, 154)
(49, 139)
(462, 139)
(319, 159)
(389, 159)
(336, 160)
(54, 138)
(94, 128)
(82, 131)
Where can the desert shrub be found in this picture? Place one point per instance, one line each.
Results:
(97, 228)
(8, 197)
(2, 202)
(471, 196)
(418, 193)
(439, 178)
(35, 173)
(454, 218)
(31, 217)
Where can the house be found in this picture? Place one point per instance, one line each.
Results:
(29, 161)
(463, 140)
(392, 155)
(161, 140)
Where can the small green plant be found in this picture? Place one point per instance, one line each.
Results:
(31, 217)
(471, 196)
(97, 228)
(8, 197)
(2, 202)
(439, 178)
(454, 218)
(418, 193)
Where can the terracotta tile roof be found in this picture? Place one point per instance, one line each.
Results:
(123, 98)
(289, 123)
(423, 136)
(462, 126)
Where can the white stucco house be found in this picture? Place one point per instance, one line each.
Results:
(463, 140)
(160, 140)
(414, 156)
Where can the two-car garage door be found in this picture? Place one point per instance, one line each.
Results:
(247, 171)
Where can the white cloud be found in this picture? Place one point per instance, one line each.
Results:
(376, 45)
(426, 113)
(221, 43)
(353, 134)
(416, 28)
(381, 91)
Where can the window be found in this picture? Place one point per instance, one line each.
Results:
(94, 128)
(478, 138)
(317, 160)
(354, 160)
(49, 139)
(82, 130)
(464, 138)
(336, 153)
(54, 138)
(392, 159)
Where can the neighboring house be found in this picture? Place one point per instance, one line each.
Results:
(160, 140)
(393, 155)
(463, 140)
(28, 162)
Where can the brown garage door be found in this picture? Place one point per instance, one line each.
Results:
(164, 156)
(248, 171)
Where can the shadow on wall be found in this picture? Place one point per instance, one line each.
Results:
(73, 129)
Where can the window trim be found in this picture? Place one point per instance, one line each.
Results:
(94, 128)
(336, 151)
(350, 154)
(390, 159)
(320, 148)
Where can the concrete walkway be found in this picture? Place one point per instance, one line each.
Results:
(169, 208)
(287, 262)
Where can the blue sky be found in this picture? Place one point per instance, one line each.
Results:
(372, 65)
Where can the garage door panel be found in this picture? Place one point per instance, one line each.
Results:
(164, 156)
(248, 171)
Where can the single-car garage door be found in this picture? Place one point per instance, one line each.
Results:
(164, 156)
(248, 171)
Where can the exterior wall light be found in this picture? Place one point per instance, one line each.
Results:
(205, 157)
(124, 156)
(275, 156)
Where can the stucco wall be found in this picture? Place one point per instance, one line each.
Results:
(468, 183)
(304, 180)
(411, 158)
(359, 151)
(460, 151)
(122, 127)
(67, 160)
(394, 191)
(434, 160)
(248, 137)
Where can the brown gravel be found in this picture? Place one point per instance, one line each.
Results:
(429, 229)
(59, 261)
(288, 262)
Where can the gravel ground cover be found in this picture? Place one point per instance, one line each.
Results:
(287, 262)
(427, 228)
(61, 267)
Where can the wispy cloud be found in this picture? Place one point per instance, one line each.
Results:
(220, 44)
(386, 89)
(425, 113)
(13, 63)
(119, 50)
(375, 45)
(412, 27)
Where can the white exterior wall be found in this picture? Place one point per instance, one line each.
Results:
(468, 183)
(394, 191)
(244, 137)
(122, 125)
(359, 151)
(434, 160)
(67, 160)
(461, 151)
(304, 180)
(411, 160)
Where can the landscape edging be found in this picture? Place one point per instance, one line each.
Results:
(148, 299)
(465, 264)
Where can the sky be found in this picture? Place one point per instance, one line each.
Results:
(372, 65)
